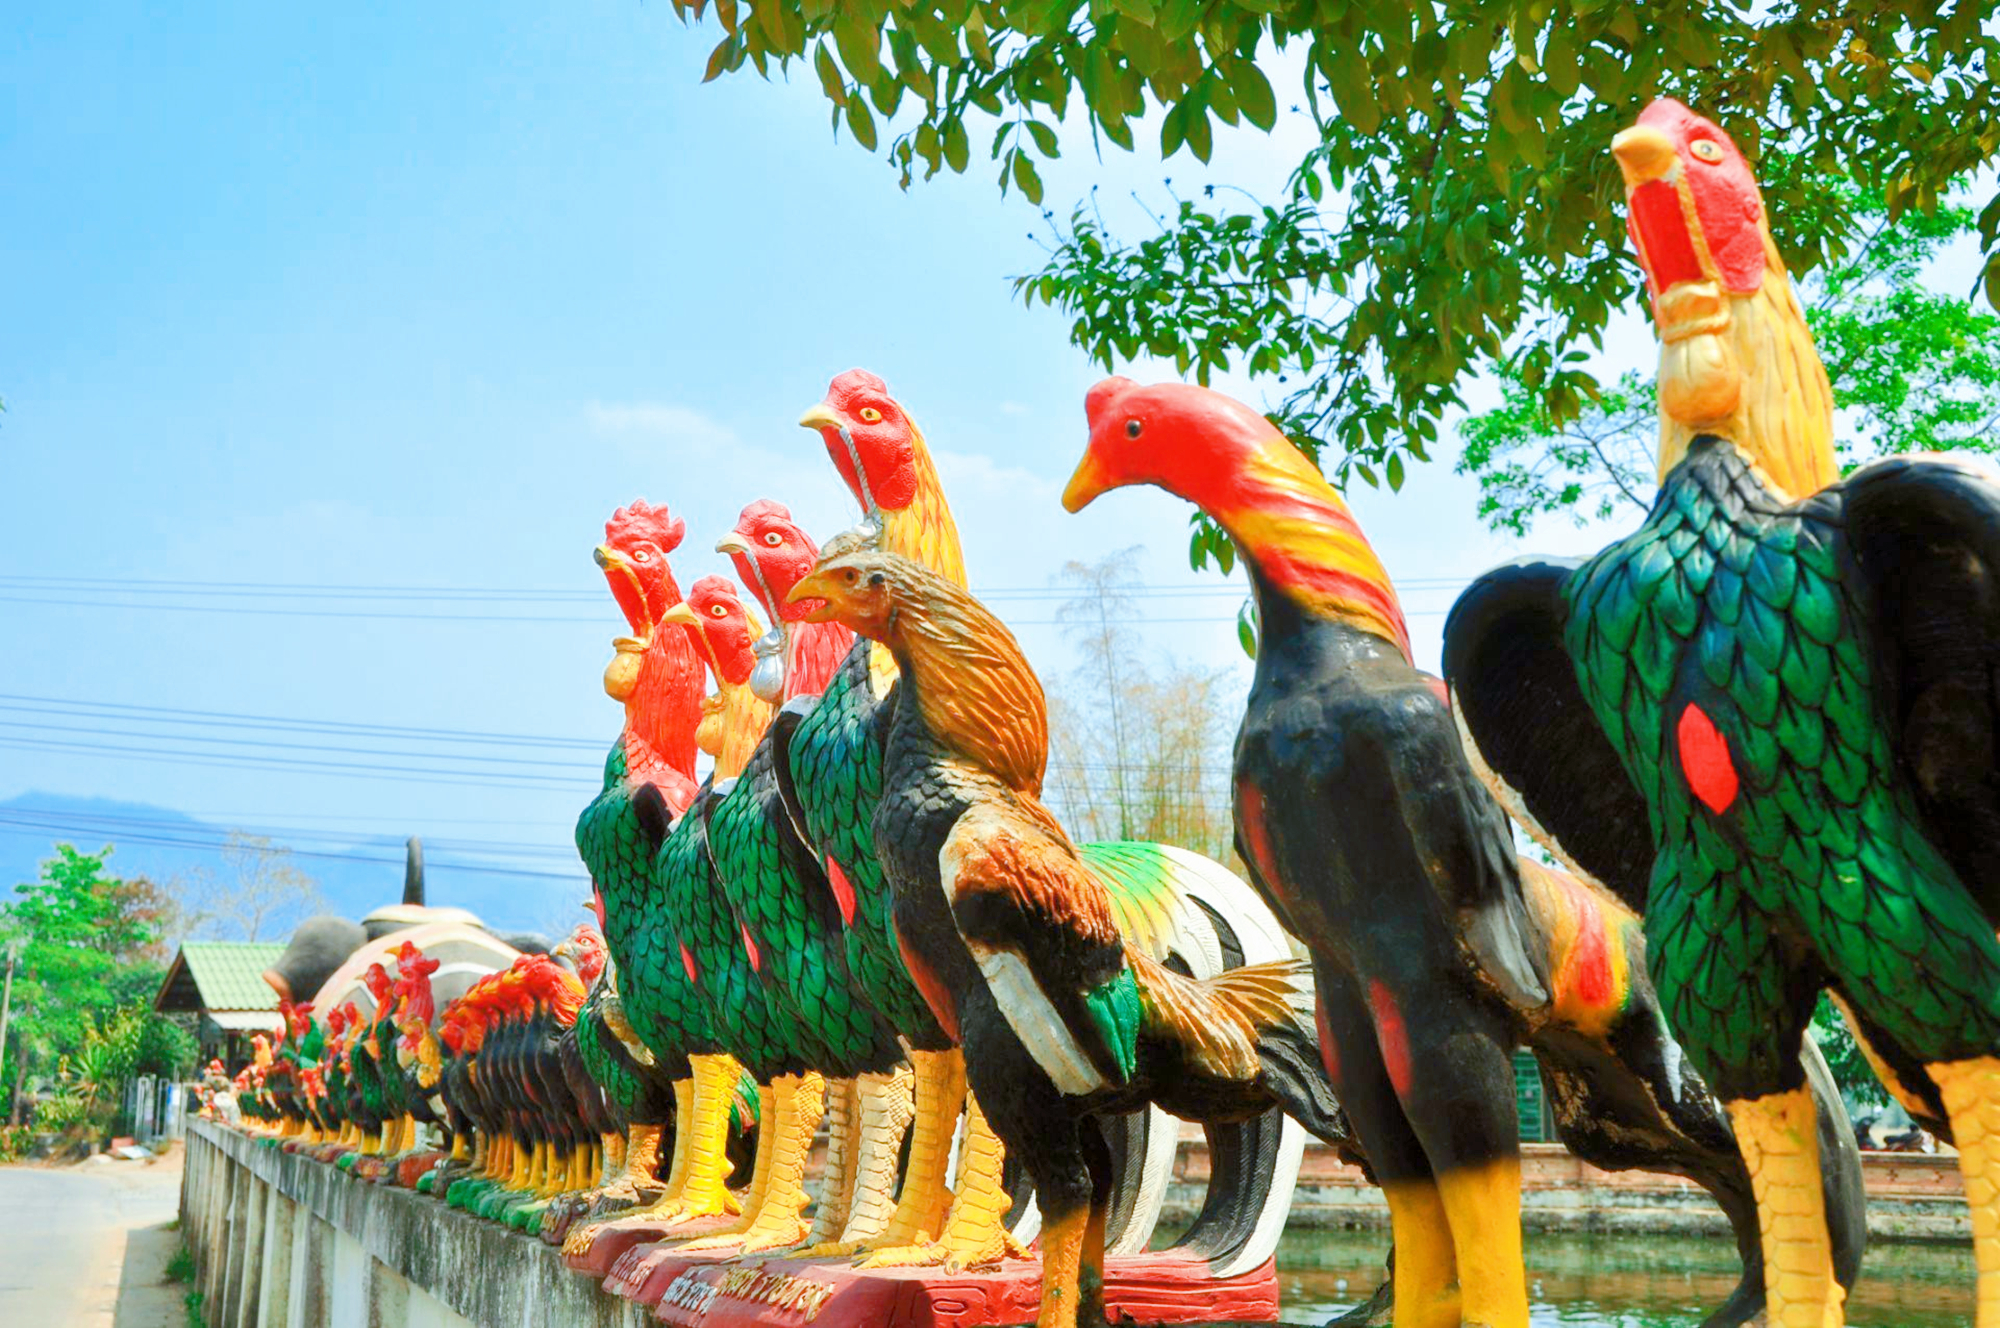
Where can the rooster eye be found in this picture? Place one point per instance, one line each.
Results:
(717, 611)
(1707, 149)
(877, 579)
(773, 538)
(641, 556)
(1133, 428)
(870, 414)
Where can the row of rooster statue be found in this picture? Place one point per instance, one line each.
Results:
(1760, 732)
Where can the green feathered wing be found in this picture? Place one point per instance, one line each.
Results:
(639, 930)
(792, 923)
(834, 767)
(1724, 651)
(747, 1023)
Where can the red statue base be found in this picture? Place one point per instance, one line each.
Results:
(698, 1292)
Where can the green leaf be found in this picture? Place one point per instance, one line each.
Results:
(956, 150)
(829, 75)
(1253, 93)
(1025, 178)
(1045, 138)
(860, 123)
(1247, 628)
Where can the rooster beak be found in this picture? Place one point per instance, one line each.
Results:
(1089, 480)
(1644, 155)
(606, 557)
(732, 543)
(682, 613)
(821, 416)
(814, 586)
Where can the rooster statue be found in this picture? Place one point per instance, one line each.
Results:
(1436, 951)
(759, 938)
(660, 1052)
(867, 1115)
(1766, 719)
(1012, 937)
(1188, 910)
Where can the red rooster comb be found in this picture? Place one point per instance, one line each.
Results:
(640, 522)
(764, 509)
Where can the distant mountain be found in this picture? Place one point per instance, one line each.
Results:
(355, 876)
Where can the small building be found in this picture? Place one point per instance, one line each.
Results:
(222, 984)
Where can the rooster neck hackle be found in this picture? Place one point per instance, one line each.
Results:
(923, 531)
(1783, 420)
(1293, 524)
(664, 709)
(974, 688)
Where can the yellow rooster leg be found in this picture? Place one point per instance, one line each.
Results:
(1971, 1092)
(836, 1182)
(683, 1116)
(704, 1190)
(1062, 1263)
(1781, 1149)
(777, 1219)
(975, 1232)
(458, 1153)
(885, 1107)
(1426, 1272)
(940, 1094)
(610, 1155)
(707, 1127)
(638, 1157)
(1483, 1205)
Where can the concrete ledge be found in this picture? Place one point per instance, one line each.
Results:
(283, 1241)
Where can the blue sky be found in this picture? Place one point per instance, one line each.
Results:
(335, 298)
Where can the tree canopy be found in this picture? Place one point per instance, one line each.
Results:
(90, 962)
(1913, 370)
(1459, 210)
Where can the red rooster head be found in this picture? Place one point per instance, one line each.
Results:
(637, 540)
(872, 442)
(1736, 357)
(771, 553)
(1695, 215)
(715, 613)
(1233, 463)
(583, 950)
(379, 984)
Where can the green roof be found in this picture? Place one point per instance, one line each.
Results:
(220, 975)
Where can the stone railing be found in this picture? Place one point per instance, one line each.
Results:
(283, 1241)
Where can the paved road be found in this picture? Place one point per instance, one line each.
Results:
(64, 1259)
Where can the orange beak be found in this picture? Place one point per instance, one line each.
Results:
(819, 586)
(1091, 478)
(1644, 155)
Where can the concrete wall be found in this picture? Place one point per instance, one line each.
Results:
(281, 1241)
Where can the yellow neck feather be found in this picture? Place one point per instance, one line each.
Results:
(1783, 412)
(924, 531)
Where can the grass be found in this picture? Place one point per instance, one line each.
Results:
(180, 1268)
(193, 1303)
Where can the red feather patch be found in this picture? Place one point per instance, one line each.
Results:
(843, 890)
(687, 965)
(1256, 834)
(1705, 760)
(750, 948)
(935, 994)
(1391, 1035)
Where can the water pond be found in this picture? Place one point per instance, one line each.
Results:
(1584, 1281)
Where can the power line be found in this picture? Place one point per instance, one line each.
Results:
(241, 719)
(167, 841)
